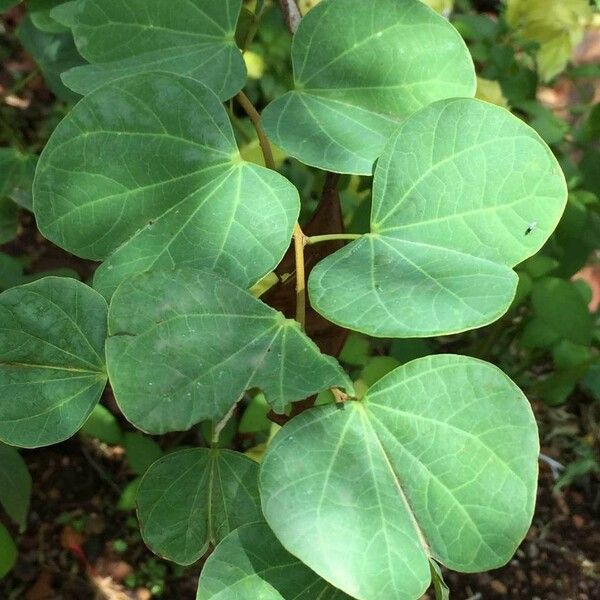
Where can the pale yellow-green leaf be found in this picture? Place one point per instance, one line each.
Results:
(444, 7)
(264, 285)
(490, 91)
(556, 25)
(252, 153)
(553, 56)
(306, 5)
(255, 65)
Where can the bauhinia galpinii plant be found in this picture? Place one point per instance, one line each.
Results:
(365, 497)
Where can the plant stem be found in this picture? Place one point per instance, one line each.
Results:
(316, 239)
(299, 243)
(299, 237)
(265, 146)
(218, 427)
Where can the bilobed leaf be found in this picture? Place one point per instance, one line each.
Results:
(439, 461)
(145, 173)
(193, 498)
(360, 68)
(52, 372)
(184, 346)
(187, 37)
(15, 485)
(462, 193)
(251, 564)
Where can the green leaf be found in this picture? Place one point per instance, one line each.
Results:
(54, 53)
(65, 13)
(9, 220)
(360, 68)
(141, 452)
(103, 425)
(591, 381)
(52, 372)
(6, 4)
(406, 350)
(539, 265)
(8, 552)
(128, 498)
(11, 272)
(356, 350)
(254, 419)
(439, 461)
(557, 388)
(251, 564)
(560, 313)
(224, 436)
(15, 485)
(377, 367)
(193, 498)
(179, 195)
(523, 289)
(191, 352)
(193, 38)
(455, 194)
(39, 12)
(16, 176)
(567, 355)
(439, 585)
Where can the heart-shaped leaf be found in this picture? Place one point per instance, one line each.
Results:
(193, 498)
(187, 37)
(461, 194)
(147, 169)
(15, 485)
(251, 564)
(360, 68)
(185, 345)
(52, 371)
(439, 461)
